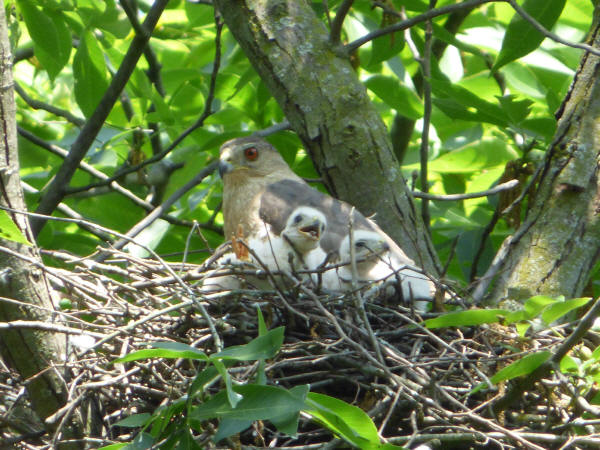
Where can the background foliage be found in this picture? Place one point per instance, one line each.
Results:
(494, 91)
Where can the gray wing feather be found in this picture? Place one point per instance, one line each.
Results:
(281, 198)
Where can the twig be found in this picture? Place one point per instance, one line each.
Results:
(338, 21)
(36, 104)
(424, 150)
(113, 184)
(454, 197)
(69, 212)
(56, 190)
(45, 326)
(282, 126)
(160, 210)
(430, 14)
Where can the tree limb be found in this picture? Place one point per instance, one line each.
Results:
(338, 21)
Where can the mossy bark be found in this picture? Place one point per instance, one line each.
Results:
(38, 356)
(325, 103)
(558, 244)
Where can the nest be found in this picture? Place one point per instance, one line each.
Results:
(416, 384)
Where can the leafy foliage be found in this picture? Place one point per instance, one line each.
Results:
(237, 406)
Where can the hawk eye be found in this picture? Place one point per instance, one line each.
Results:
(361, 244)
(298, 219)
(251, 153)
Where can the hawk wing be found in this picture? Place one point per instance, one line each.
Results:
(282, 197)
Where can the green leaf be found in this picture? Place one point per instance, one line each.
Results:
(521, 37)
(347, 421)
(50, 35)
(232, 397)
(386, 47)
(522, 328)
(458, 102)
(169, 350)
(533, 306)
(134, 421)
(261, 375)
(229, 427)
(114, 446)
(467, 318)
(202, 378)
(569, 365)
(262, 347)
(485, 154)
(559, 309)
(89, 71)
(262, 326)
(396, 96)
(258, 403)
(516, 110)
(288, 423)
(10, 231)
(524, 366)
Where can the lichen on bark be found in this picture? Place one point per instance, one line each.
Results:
(559, 242)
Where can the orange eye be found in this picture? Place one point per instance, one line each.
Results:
(251, 153)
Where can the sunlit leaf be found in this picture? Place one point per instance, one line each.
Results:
(347, 421)
(89, 71)
(257, 403)
(396, 95)
(262, 347)
(50, 35)
(466, 318)
(521, 37)
(10, 231)
(559, 309)
(523, 366)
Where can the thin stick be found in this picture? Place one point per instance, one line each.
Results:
(455, 197)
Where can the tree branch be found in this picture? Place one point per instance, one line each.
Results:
(56, 191)
(36, 104)
(424, 150)
(336, 25)
(114, 185)
(160, 210)
(415, 20)
(454, 197)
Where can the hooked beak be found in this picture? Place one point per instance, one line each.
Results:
(224, 168)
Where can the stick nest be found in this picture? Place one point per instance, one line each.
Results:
(415, 383)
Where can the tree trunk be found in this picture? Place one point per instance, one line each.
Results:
(325, 103)
(557, 246)
(36, 355)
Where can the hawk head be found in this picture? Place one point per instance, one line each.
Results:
(369, 246)
(304, 228)
(249, 157)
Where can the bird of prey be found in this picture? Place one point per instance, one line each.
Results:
(375, 266)
(296, 249)
(259, 189)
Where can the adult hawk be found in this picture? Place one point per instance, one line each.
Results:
(262, 192)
